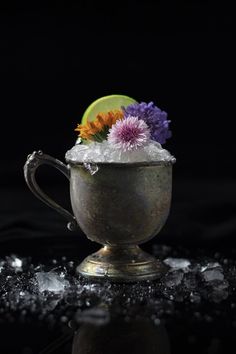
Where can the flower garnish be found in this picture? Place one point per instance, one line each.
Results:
(153, 117)
(99, 128)
(129, 134)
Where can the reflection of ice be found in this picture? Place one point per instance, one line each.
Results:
(219, 291)
(178, 263)
(195, 297)
(51, 281)
(96, 316)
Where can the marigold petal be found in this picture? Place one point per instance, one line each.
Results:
(100, 125)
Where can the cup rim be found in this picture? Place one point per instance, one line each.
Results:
(123, 164)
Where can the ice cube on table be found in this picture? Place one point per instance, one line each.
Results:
(178, 263)
(15, 262)
(2, 264)
(212, 271)
(173, 278)
(213, 274)
(210, 265)
(51, 281)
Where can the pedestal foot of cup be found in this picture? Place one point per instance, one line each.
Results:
(124, 264)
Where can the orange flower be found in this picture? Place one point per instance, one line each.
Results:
(109, 118)
(99, 128)
(88, 130)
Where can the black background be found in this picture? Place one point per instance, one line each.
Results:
(56, 60)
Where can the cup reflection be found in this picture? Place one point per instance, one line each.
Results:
(120, 337)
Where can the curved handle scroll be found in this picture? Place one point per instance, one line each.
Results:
(36, 159)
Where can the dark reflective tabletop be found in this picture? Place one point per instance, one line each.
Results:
(46, 308)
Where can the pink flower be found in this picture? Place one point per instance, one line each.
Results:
(129, 134)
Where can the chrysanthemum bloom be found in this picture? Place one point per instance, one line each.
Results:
(129, 134)
(99, 128)
(154, 117)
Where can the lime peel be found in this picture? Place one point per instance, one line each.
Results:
(106, 104)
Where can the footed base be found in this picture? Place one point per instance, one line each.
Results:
(123, 264)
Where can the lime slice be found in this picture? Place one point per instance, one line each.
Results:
(105, 104)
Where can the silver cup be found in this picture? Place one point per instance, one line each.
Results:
(120, 207)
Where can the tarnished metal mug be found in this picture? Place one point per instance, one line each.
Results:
(121, 206)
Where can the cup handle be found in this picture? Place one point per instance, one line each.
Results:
(36, 159)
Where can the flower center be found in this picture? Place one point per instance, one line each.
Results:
(129, 134)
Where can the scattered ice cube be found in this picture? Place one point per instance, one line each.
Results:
(37, 291)
(95, 152)
(51, 281)
(210, 265)
(2, 264)
(212, 271)
(174, 278)
(178, 263)
(190, 281)
(15, 263)
(213, 274)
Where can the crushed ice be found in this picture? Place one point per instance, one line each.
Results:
(91, 167)
(178, 263)
(51, 281)
(213, 274)
(15, 263)
(95, 152)
(38, 289)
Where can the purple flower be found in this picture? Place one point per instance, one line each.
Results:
(153, 117)
(129, 134)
